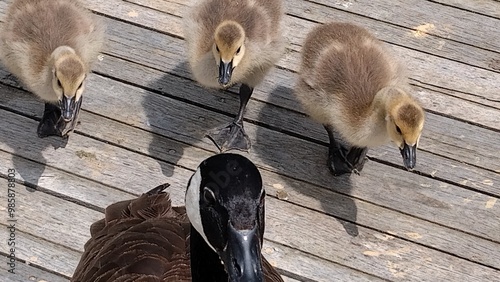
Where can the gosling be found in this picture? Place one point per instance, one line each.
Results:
(350, 83)
(49, 46)
(231, 42)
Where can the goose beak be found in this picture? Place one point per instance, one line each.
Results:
(409, 154)
(68, 108)
(242, 256)
(225, 72)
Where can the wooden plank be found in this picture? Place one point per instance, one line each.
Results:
(399, 36)
(166, 154)
(24, 272)
(455, 24)
(59, 230)
(299, 192)
(135, 48)
(383, 255)
(422, 66)
(168, 117)
(450, 142)
(484, 7)
(39, 252)
(272, 155)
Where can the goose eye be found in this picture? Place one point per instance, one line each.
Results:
(238, 51)
(217, 48)
(208, 196)
(398, 129)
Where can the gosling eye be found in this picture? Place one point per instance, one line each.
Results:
(217, 48)
(59, 83)
(80, 86)
(238, 51)
(398, 129)
(208, 196)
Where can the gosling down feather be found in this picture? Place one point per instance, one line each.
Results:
(216, 237)
(350, 83)
(49, 46)
(233, 42)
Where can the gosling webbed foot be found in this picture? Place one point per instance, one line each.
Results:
(357, 157)
(230, 136)
(338, 162)
(48, 126)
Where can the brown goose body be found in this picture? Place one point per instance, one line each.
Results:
(351, 84)
(144, 239)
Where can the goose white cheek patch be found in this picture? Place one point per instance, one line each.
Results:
(192, 202)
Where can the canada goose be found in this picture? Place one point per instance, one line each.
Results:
(146, 239)
(231, 42)
(49, 46)
(350, 84)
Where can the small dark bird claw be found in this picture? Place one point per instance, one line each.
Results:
(48, 126)
(231, 136)
(343, 161)
(338, 164)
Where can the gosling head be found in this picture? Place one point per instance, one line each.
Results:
(405, 121)
(68, 80)
(228, 49)
(225, 204)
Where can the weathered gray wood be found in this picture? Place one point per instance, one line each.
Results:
(386, 251)
(485, 7)
(39, 251)
(449, 22)
(424, 68)
(60, 230)
(439, 46)
(24, 272)
(462, 142)
(168, 117)
(272, 155)
(135, 48)
(363, 208)
(317, 196)
(131, 50)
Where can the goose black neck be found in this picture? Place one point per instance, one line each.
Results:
(206, 265)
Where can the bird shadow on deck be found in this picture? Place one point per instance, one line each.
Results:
(19, 130)
(170, 124)
(339, 205)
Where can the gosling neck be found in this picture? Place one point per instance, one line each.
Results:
(386, 99)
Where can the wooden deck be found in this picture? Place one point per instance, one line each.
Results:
(144, 118)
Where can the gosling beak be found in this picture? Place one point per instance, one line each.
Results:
(68, 108)
(409, 155)
(225, 72)
(242, 257)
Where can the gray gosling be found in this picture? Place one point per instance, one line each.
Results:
(231, 42)
(350, 84)
(49, 46)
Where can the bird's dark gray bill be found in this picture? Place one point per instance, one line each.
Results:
(409, 154)
(225, 72)
(68, 108)
(242, 256)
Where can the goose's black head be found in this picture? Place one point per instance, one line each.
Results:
(225, 204)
